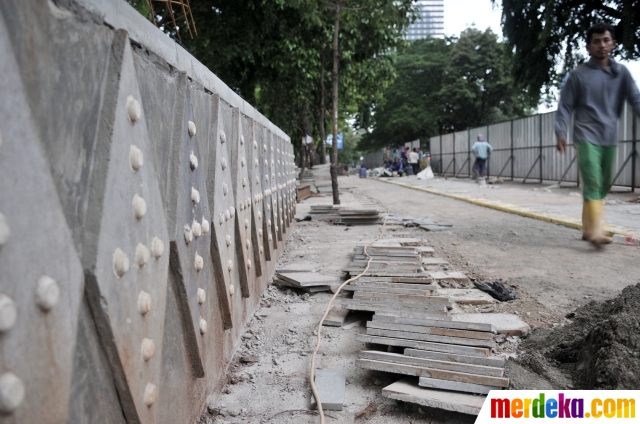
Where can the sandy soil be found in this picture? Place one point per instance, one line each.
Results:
(552, 269)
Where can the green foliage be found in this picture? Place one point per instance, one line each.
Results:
(543, 34)
(447, 85)
(350, 152)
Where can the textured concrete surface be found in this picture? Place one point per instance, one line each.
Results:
(111, 311)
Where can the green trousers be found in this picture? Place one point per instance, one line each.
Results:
(596, 169)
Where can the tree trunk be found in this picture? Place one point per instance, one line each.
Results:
(323, 135)
(334, 112)
(306, 130)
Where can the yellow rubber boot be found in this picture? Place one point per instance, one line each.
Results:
(592, 222)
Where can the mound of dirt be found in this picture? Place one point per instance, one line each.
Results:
(600, 349)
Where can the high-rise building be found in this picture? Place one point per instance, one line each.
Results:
(430, 20)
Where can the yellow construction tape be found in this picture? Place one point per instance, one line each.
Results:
(567, 222)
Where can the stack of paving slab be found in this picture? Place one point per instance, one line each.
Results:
(356, 214)
(304, 276)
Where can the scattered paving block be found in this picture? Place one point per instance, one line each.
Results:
(429, 338)
(397, 358)
(304, 279)
(435, 383)
(407, 390)
(380, 316)
(336, 316)
(300, 267)
(390, 290)
(508, 324)
(491, 361)
(410, 314)
(415, 344)
(467, 296)
(387, 284)
(436, 331)
(310, 289)
(434, 261)
(373, 305)
(427, 279)
(425, 250)
(402, 298)
(330, 385)
(459, 377)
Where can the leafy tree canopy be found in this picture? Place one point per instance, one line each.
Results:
(545, 34)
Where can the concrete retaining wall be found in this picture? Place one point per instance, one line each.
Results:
(143, 208)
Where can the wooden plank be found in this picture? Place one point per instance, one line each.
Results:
(373, 305)
(491, 361)
(336, 316)
(397, 358)
(437, 347)
(429, 338)
(459, 377)
(434, 383)
(407, 390)
(435, 323)
(436, 331)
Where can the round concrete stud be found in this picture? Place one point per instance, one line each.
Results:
(157, 247)
(196, 228)
(144, 302)
(248, 263)
(241, 140)
(147, 348)
(225, 189)
(188, 234)
(246, 223)
(223, 163)
(8, 313)
(272, 148)
(233, 211)
(266, 162)
(241, 206)
(223, 137)
(134, 111)
(247, 244)
(276, 228)
(136, 158)
(230, 265)
(269, 207)
(203, 326)
(244, 182)
(255, 163)
(120, 263)
(261, 250)
(195, 196)
(142, 255)
(150, 394)
(257, 180)
(255, 144)
(228, 240)
(139, 206)
(270, 237)
(202, 296)
(193, 162)
(232, 290)
(221, 218)
(264, 147)
(199, 262)
(205, 226)
(192, 128)
(268, 223)
(242, 162)
(227, 215)
(11, 392)
(260, 232)
(266, 178)
(5, 231)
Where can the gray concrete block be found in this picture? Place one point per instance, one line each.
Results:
(509, 324)
(491, 361)
(432, 363)
(417, 371)
(449, 276)
(438, 331)
(434, 322)
(336, 316)
(305, 279)
(330, 385)
(42, 279)
(467, 296)
(300, 267)
(407, 390)
(457, 386)
(416, 344)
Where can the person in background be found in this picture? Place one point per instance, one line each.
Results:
(481, 150)
(397, 167)
(594, 94)
(413, 161)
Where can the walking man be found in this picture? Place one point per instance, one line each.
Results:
(481, 150)
(413, 160)
(595, 93)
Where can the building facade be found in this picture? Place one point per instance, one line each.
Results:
(430, 20)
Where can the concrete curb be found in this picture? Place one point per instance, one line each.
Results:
(505, 207)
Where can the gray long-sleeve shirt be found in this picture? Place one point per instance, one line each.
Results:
(596, 96)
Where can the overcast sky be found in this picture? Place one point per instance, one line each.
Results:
(460, 14)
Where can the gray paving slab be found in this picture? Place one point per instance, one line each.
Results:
(471, 296)
(415, 344)
(300, 267)
(491, 361)
(509, 324)
(383, 316)
(330, 385)
(435, 383)
(407, 390)
(305, 279)
(336, 316)
(429, 338)
(372, 305)
(439, 331)
(432, 363)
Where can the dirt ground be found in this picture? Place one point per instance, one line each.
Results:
(552, 269)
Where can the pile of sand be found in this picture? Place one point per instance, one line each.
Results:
(600, 349)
